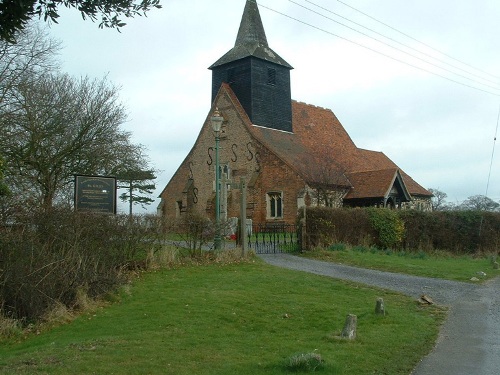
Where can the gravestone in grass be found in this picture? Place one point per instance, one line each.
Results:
(380, 307)
(349, 331)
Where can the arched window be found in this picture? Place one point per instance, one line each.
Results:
(275, 205)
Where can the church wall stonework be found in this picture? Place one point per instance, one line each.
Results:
(419, 204)
(264, 172)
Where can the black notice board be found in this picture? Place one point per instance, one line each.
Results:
(95, 193)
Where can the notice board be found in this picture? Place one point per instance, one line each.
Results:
(95, 193)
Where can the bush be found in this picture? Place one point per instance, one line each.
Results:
(338, 247)
(327, 226)
(195, 231)
(458, 232)
(49, 258)
(389, 227)
(9, 327)
(304, 362)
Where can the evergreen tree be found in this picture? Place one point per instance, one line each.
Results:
(139, 184)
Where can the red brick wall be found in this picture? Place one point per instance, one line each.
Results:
(264, 172)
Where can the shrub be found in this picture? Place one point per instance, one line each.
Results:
(458, 232)
(363, 249)
(195, 230)
(52, 257)
(326, 226)
(338, 247)
(389, 226)
(305, 362)
(9, 327)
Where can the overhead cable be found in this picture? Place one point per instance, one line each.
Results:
(496, 82)
(492, 154)
(380, 53)
(416, 40)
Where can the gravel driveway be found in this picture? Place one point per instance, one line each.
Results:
(468, 343)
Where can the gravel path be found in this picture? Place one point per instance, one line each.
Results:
(468, 343)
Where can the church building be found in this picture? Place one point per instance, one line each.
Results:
(289, 153)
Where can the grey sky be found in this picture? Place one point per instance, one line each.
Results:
(438, 131)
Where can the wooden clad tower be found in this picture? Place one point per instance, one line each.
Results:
(259, 77)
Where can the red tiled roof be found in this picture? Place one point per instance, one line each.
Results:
(371, 184)
(321, 151)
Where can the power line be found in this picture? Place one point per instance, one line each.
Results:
(493, 153)
(416, 40)
(395, 41)
(378, 52)
(399, 49)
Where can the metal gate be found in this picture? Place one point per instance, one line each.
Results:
(272, 238)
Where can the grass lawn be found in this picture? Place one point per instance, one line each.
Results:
(234, 319)
(437, 265)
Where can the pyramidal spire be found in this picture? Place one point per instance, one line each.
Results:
(251, 30)
(251, 40)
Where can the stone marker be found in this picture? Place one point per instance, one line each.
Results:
(426, 300)
(379, 307)
(496, 266)
(349, 331)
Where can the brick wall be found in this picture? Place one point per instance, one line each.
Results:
(194, 181)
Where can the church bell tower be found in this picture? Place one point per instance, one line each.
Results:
(259, 77)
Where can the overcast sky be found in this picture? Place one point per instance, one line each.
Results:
(439, 131)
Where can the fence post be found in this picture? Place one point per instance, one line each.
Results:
(303, 232)
(243, 215)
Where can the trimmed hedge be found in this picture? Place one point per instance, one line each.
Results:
(326, 226)
(460, 232)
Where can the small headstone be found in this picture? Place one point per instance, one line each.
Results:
(379, 307)
(349, 331)
(496, 266)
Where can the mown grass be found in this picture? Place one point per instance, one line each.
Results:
(231, 319)
(440, 265)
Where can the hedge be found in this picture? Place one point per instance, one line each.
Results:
(48, 258)
(460, 232)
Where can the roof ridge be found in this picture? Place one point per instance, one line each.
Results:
(376, 170)
(312, 105)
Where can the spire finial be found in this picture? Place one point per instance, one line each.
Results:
(251, 40)
(251, 30)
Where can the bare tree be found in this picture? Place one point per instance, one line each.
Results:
(438, 199)
(480, 203)
(328, 183)
(33, 55)
(58, 126)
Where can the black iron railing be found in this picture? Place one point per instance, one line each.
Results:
(271, 238)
